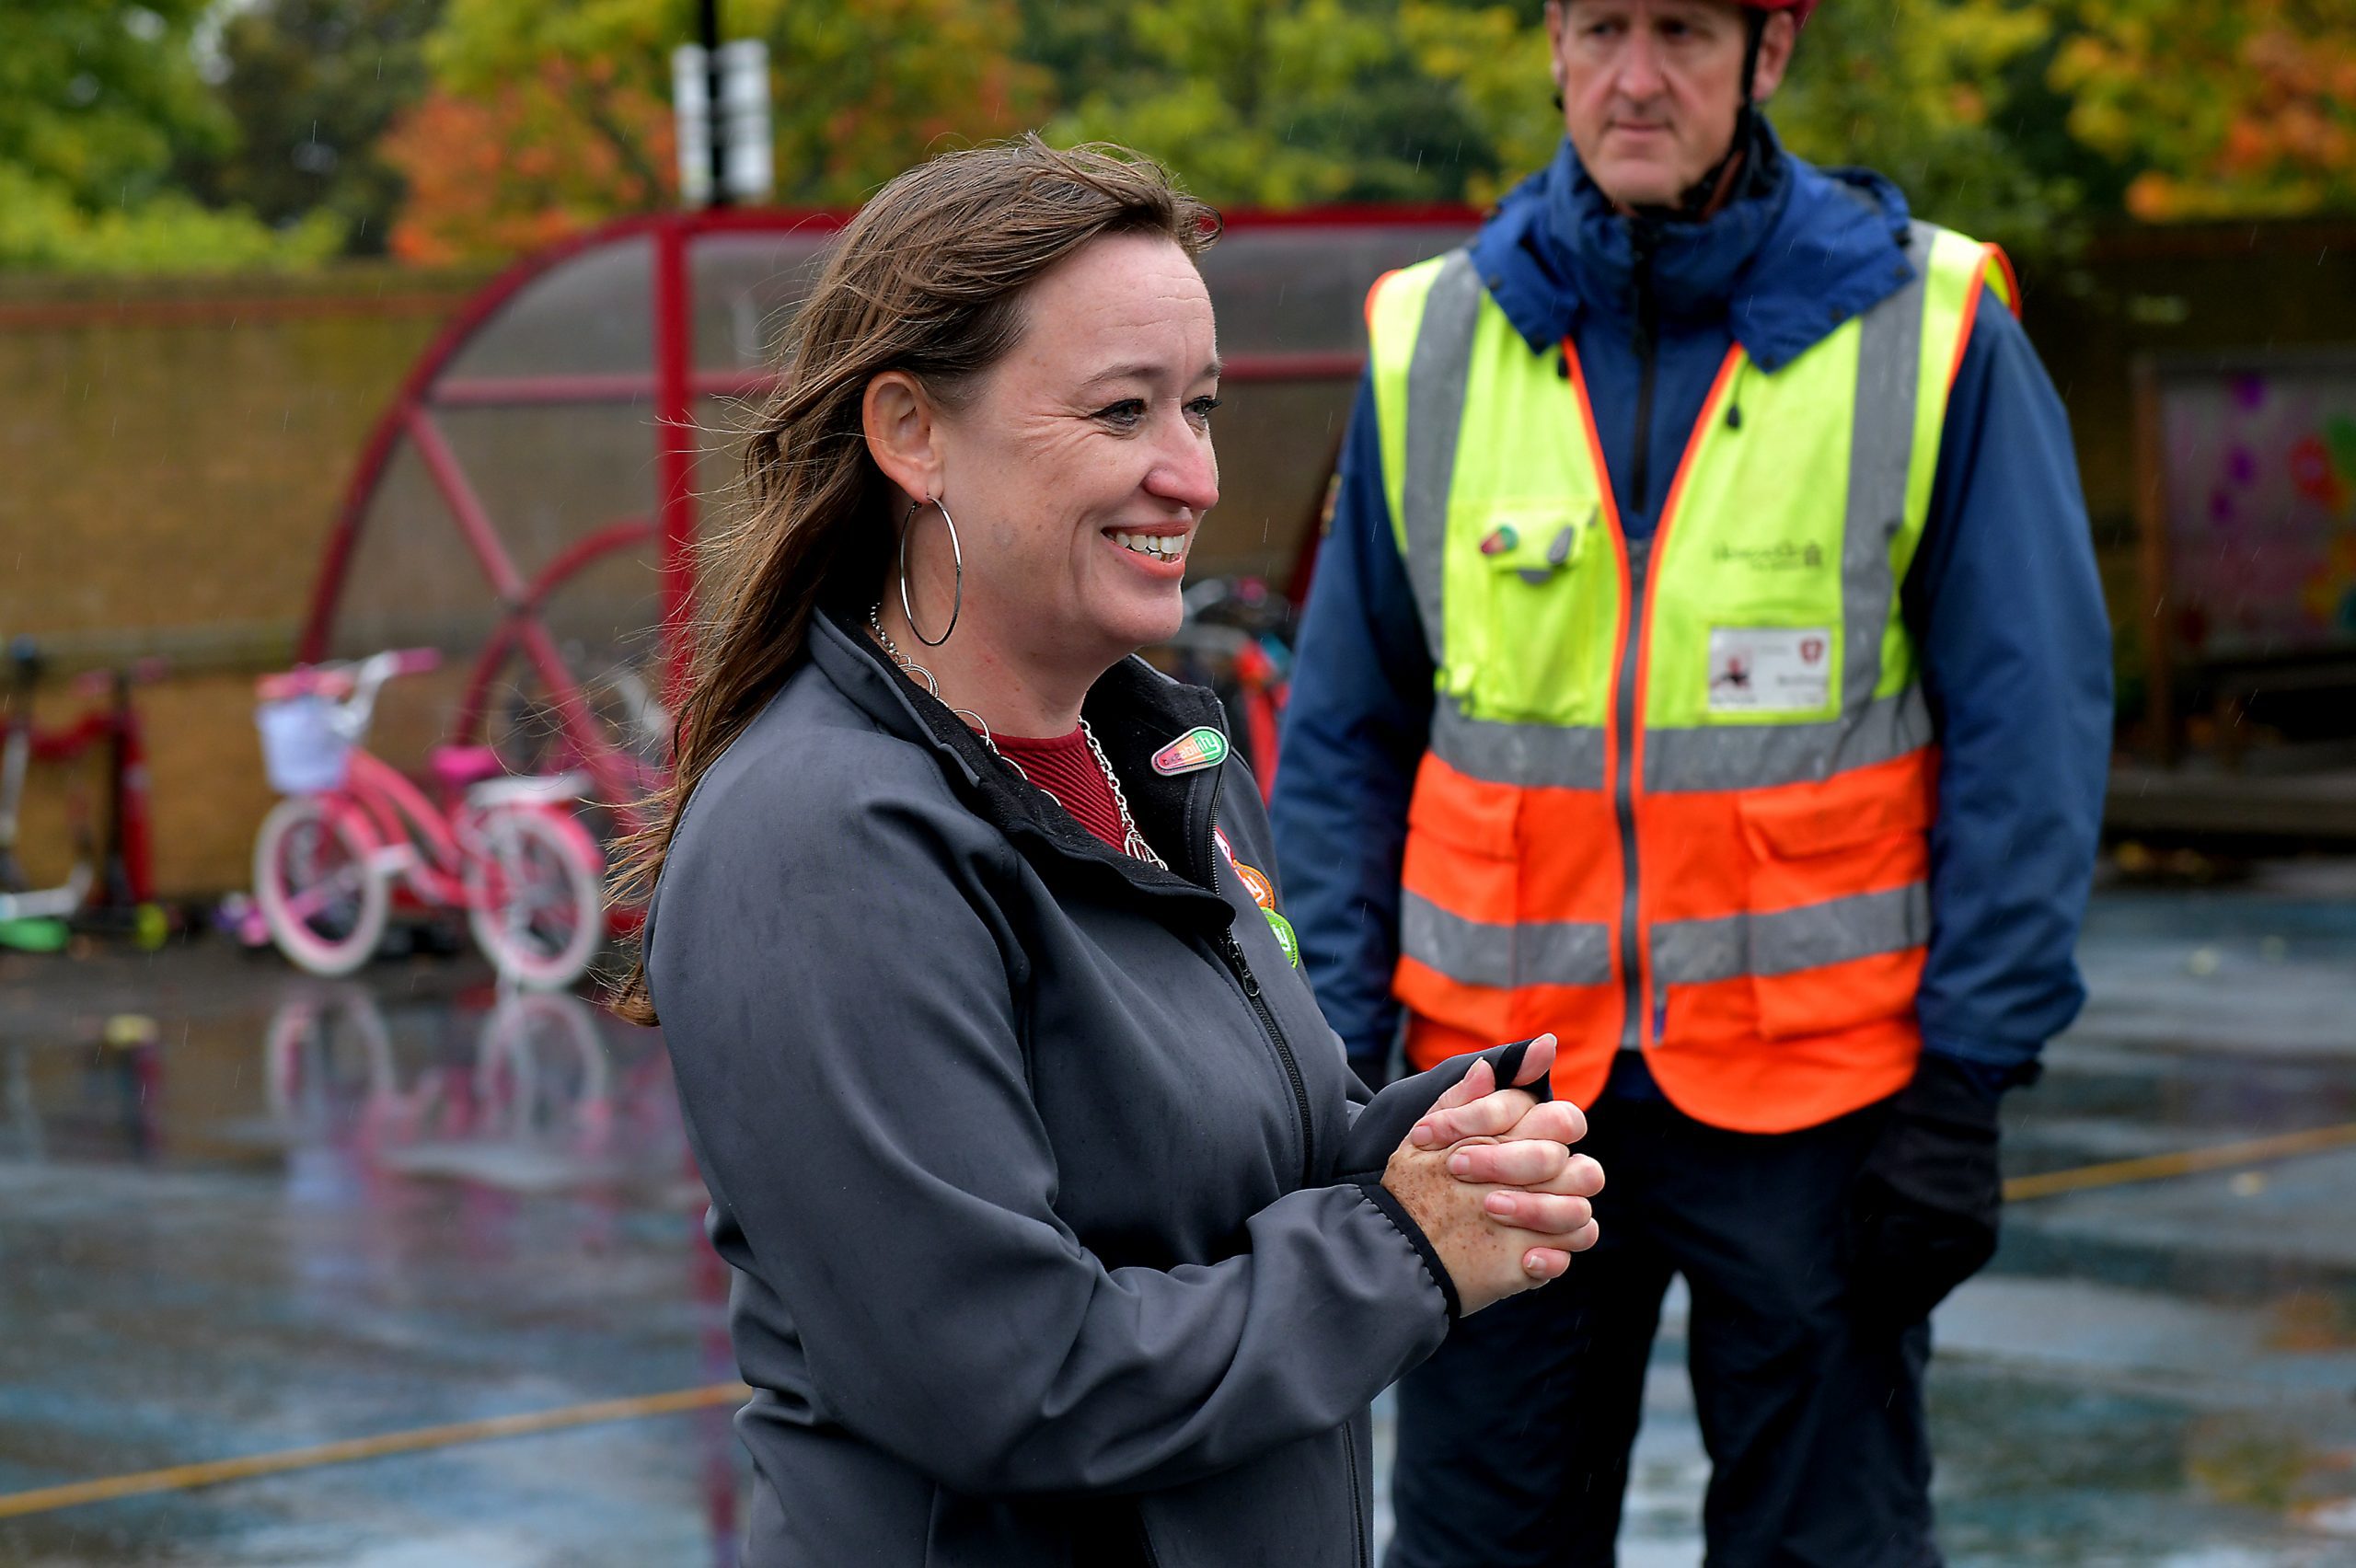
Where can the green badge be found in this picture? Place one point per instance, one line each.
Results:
(1285, 937)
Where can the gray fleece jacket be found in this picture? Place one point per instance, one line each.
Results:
(1052, 1204)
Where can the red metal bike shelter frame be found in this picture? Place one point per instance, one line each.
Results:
(625, 782)
(466, 507)
(675, 419)
(673, 383)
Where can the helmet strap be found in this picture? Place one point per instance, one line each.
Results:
(1716, 186)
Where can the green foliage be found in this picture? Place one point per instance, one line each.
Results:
(1280, 103)
(310, 85)
(1492, 59)
(465, 130)
(95, 98)
(1283, 102)
(1927, 92)
(863, 87)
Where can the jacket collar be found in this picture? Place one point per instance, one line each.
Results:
(1798, 251)
(1134, 709)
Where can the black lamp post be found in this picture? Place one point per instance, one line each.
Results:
(715, 112)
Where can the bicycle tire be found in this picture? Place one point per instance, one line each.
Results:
(297, 826)
(530, 846)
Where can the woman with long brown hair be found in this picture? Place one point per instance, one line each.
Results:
(1062, 1232)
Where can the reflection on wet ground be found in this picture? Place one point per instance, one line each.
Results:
(304, 1212)
(243, 1212)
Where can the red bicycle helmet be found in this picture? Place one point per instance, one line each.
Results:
(1798, 8)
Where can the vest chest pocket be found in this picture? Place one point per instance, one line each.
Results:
(1531, 604)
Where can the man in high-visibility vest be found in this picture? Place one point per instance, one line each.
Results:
(1707, 664)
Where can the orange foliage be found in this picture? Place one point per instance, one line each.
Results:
(539, 158)
(2242, 110)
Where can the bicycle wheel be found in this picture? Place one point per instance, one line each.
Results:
(536, 895)
(621, 747)
(320, 895)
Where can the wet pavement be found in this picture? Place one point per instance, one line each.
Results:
(304, 1212)
(316, 1211)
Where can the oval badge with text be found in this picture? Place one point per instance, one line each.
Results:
(1198, 748)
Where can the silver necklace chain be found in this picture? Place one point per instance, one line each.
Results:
(1133, 842)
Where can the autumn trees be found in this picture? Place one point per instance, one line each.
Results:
(226, 132)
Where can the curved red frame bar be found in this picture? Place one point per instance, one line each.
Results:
(674, 384)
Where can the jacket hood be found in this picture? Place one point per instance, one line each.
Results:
(1796, 253)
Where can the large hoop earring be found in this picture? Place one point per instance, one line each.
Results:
(957, 557)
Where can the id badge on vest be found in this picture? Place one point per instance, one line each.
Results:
(1768, 669)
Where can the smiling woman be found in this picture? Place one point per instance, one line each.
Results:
(1083, 465)
(1063, 1232)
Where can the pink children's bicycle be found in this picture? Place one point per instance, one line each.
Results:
(353, 833)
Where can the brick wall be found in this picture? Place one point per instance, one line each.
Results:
(170, 456)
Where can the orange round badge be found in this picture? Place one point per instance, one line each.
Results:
(1256, 885)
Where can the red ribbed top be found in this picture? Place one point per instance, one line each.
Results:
(1064, 768)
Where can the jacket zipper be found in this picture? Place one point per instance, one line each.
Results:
(1358, 1507)
(1145, 1542)
(1244, 977)
(1648, 364)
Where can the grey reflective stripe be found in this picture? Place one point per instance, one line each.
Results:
(1534, 756)
(1760, 756)
(1436, 380)
(1474, 952)
(1881, 451)
(1687, 953)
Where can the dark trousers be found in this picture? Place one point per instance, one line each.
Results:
(1514, 1438)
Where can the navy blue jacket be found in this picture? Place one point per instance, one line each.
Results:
(2003, 596)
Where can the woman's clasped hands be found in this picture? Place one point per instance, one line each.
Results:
(1489, 1175)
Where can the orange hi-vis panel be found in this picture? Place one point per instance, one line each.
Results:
(1677, 791)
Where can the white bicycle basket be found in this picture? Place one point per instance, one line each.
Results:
(301, 748)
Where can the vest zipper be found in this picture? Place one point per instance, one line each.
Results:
(1625, 719)
(1244, 977)
(1624, 792)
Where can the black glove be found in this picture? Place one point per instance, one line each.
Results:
(1923, 1212)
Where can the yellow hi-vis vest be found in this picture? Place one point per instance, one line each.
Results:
(1677, 791)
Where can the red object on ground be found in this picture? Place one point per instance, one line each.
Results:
(127, 874)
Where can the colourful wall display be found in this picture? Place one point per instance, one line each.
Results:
(2259, 465)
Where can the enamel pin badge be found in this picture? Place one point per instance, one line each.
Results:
(1198, 748)
(1285, 937)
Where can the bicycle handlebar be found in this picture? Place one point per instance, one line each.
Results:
(354, 685)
